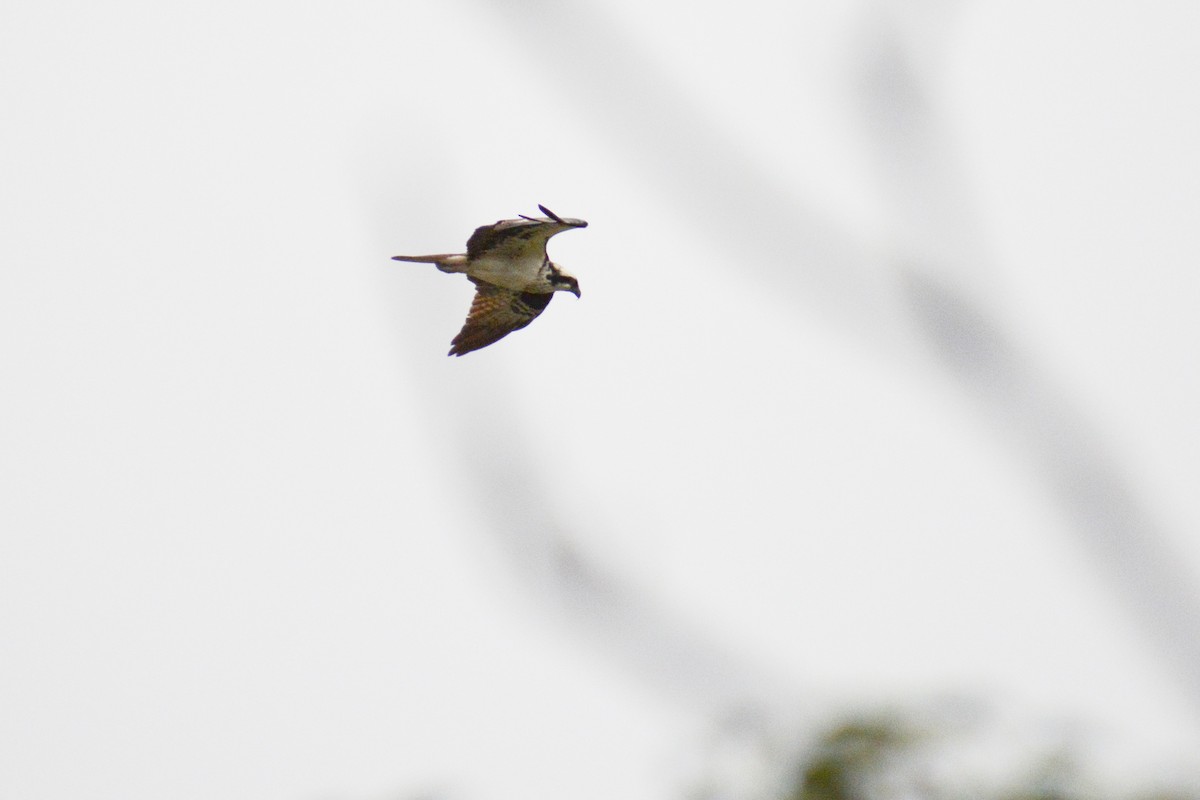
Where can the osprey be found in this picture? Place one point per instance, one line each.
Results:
(514, 278)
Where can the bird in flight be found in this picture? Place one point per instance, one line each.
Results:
(514, 278)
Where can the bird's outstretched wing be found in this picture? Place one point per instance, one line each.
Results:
(495, 313)
(510, 238)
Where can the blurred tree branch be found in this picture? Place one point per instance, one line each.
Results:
(878, 300)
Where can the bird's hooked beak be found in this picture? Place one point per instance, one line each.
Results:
(575, 291)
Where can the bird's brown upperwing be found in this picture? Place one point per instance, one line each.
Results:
(517, 237)
(508, 235)
(495, 313)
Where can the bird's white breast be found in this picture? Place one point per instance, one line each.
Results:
(518, 273)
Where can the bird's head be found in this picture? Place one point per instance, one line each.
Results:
(563, 282)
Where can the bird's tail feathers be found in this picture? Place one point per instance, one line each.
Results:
(446, 262)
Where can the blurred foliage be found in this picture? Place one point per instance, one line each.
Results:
(847, 758)
(890, 756)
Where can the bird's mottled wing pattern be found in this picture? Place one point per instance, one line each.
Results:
(512, 237)
(495, 313)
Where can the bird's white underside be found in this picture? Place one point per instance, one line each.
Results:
(519, 274)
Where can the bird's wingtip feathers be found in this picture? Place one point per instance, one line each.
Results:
(550, 214)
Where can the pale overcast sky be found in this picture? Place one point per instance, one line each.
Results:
(882, 388)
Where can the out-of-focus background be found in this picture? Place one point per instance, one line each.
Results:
(876, 423)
